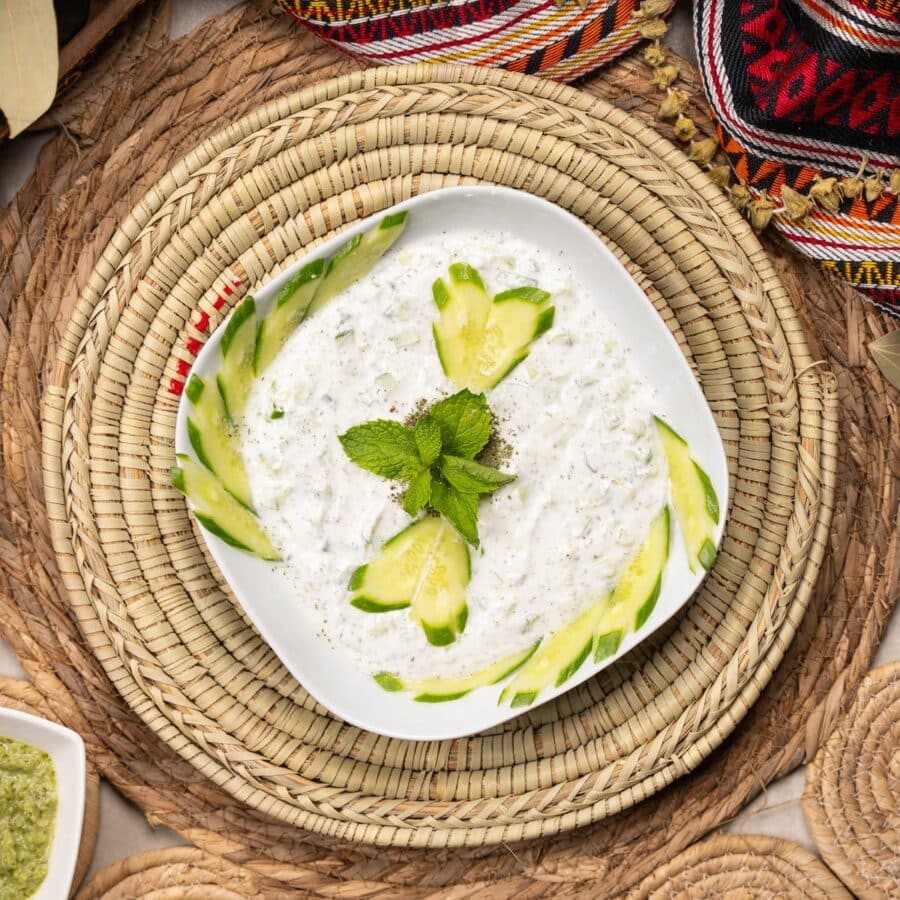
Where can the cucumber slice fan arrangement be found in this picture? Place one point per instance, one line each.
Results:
(424, 570)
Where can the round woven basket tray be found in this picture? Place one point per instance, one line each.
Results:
(250, 200)
(742, 865)
(852, 798)
(126, 124)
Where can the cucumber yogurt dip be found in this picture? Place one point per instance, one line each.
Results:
(574, 421)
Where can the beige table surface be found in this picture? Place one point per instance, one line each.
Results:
(123, 828)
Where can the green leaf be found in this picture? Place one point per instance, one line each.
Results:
(427, 434)
(472, 477)
(465, 422)
(460, 510)
(383, 447)
(418, 494)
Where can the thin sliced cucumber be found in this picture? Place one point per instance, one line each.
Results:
(213, 438)
(479, 342)
(464, 306)
(235, 376)
(218, 511)
(357, 257)
(424, 567)
(557, 659)
(440, 690)
(287, 313)
(517, 318)
(637, 590)
(693, 496)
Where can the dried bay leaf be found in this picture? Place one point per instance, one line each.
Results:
(29, 61)
(886, 353)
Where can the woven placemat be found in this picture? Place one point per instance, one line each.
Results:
(852, 796)
(161, 103)
(18, 694)
(179, 872)
(163, 622)
(742, 865)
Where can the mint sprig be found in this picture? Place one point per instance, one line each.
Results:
(436, 456)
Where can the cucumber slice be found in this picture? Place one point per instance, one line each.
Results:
(601, 626)
(517, 318)
(218, 511)
(557, 659)
(357, 257)
(479, 342)
(213, 438)
(464, 305)
(637, 591)
(440, 690)
(235, 376)
(693, 496)
(425, 567)
(286, 314)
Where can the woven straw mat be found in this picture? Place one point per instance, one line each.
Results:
(179, 872)
(741, 866)
(250, 200)
(121, 137)
(852, 797)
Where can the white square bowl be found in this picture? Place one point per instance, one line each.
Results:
(279, 615)
(66, 749)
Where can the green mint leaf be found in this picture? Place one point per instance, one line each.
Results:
(383, 447)
(472, 477)
(427, 433)
(460, 510)
(465, 422)
(418, 494)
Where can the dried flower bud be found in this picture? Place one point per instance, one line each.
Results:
(852, 187)
(740, 196)
(761, 210)
(874, 186)
(652, 8)
(721, 175)
(664, 76)
(894, 186)
(674, 104)
(796, 206)
(654, 54)
(703, 151)
(825, 192)
(684, 128)
(653, 28)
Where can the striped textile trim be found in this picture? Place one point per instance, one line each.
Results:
(530, 36)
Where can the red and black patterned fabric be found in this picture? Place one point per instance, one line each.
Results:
(808, 90)
(539, 37)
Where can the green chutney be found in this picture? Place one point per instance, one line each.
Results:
(27, 815)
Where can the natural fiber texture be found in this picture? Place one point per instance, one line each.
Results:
(229, 215)
(742, 865)
(852, 797)
(180, 872)
(52, 236)
(20, 695)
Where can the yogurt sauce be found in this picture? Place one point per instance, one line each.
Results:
(576, 414)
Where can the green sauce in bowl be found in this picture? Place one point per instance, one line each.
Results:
(28, 800)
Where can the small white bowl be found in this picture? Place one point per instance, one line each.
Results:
(66, 749)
